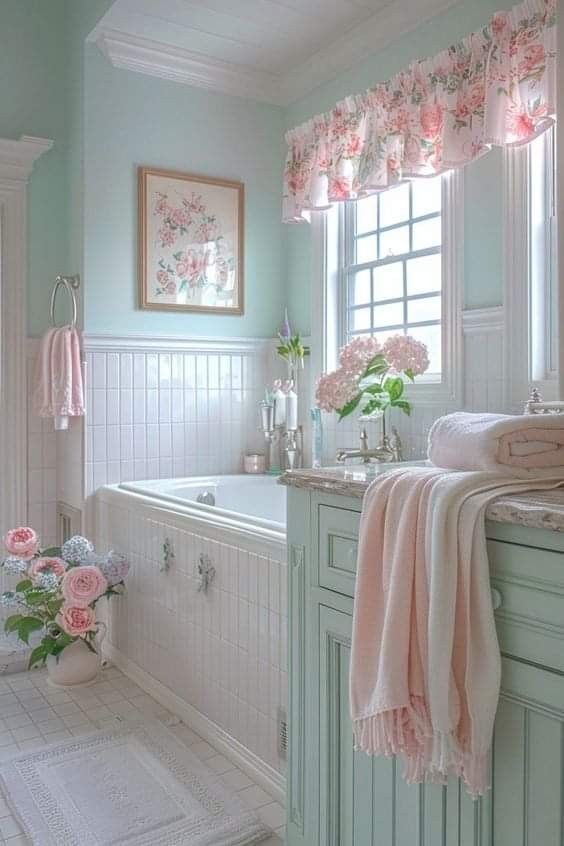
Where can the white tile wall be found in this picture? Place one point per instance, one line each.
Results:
(224, 652)
(170, 413)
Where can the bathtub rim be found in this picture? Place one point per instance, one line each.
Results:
(228, 515)
(260, 540)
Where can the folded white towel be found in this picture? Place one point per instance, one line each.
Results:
(522, 446)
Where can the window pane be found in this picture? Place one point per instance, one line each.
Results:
(366, 249)
(388, 281)
(423, 274)
(426, 196)
(367, 214)
(394, 242)
(431, 337)
(428, 308)
(360, 288)
(360, 319)
(394, 205)
(427, 233)
(388, 315)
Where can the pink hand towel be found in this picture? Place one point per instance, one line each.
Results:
(523, 446)
(58, 391)
(425, 664)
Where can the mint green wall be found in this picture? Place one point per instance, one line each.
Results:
(133, 119)
(483, 242)
(32, 102)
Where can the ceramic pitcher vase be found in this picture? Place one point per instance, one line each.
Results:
(77, 664)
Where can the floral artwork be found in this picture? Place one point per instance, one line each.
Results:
(191, 242)
(495, 87)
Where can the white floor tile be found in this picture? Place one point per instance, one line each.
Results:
(32, 714)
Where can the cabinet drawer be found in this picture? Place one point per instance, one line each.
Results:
(530, 616)
(338, 547)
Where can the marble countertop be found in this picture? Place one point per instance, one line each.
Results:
(537, 510)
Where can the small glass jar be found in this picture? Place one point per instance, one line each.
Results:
(254, 462)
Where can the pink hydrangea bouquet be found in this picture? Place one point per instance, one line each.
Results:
(371, 375)
(58, 590)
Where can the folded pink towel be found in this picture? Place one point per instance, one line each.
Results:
(515, 445)
(58, 390)
(425, 663)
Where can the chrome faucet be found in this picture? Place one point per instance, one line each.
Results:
(390, 449)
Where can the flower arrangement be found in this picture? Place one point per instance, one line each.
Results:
(58, 590)
(291, 348)
(370, 375)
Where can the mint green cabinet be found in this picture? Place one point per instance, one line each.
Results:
(337, 797)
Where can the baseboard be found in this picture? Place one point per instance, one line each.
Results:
(261, 773)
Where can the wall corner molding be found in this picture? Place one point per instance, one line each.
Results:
(17, 158)
(109, 342)
(478, 320)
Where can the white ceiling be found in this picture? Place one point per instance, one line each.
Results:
(273, 50)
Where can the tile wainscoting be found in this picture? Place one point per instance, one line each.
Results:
(223, 653)
(163, 407)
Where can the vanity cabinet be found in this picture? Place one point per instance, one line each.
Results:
(338, 797)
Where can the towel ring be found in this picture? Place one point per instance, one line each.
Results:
(70, 284)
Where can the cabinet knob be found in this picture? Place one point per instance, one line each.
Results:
(497, 599)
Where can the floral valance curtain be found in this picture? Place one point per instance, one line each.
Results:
(496, 87)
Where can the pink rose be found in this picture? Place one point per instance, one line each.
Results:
(22, 542)
(354, 147)
(76, 620)
(167, 236)
(170, 287)
(83, 585)
(161, 206)
(180, 217)
(522, 125)
(431, 119)
(162, 277)
(194, 265)
(533, 57)
(47, 565)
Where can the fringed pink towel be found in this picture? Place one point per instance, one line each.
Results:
(524, 446)
(58, 390)
(425, 664)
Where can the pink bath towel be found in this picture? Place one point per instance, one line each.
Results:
(58, 390)
(524, 446)
(425, 664)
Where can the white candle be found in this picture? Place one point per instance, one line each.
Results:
(280, 408)
(292, 410)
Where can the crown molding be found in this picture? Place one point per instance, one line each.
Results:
(155, 58)
(165, 61)
(17, 157)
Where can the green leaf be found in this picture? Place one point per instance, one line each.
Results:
(27, 625)
(404, 405)
(375, 405)
(410, 375)
(36, 597)
(349, 407)
(61, 643)
(54, 606)
(38, 655)
(394, 387)
(11, 623)
(373, 389)
(24, 585)
(376, 366)
(52, 552)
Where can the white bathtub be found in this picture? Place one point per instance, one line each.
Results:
(250, 501)
(218, 659)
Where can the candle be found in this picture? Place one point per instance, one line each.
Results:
(291, 410)
(280, 410)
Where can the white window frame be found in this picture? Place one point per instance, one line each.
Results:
(526, 364)
(328, 230)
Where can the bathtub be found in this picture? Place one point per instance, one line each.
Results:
(246, 501)
(218, 659)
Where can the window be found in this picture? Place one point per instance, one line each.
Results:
(542, 283)
(530, 298)
(392, 274)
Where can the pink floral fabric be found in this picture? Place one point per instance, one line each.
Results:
(496, 87)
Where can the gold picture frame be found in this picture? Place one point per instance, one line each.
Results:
(191, 242)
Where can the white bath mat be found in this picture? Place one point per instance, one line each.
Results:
(133, 785)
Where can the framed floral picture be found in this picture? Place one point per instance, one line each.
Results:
(191, 232)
